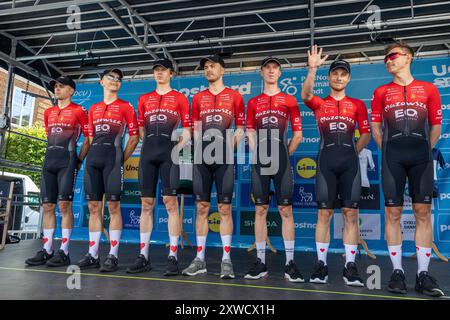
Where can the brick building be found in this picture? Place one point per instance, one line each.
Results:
(26, 110)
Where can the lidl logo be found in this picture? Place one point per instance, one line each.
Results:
(306, 168)
(214, 222)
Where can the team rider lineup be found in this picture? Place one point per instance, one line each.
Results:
(405, 123)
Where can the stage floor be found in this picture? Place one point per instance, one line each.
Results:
(20, 282)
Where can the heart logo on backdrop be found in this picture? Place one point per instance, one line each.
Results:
(114, 243)
(227, 249)
(64, 240)
(353, 251)
(394, 254)
(199, 248)
(45, 240)
(428, 254)
(173, 248)
(91, 243)
(142, 245)
(322, 249)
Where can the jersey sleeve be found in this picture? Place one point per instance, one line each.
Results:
(130, 117)
(83, 121)
(195, 112)
(362, 118)
(376, 114)
(434, 106)
(46, 112)
(239, 110)
(184, 111)
(250, 124)
(141, 112)
(90, 122)
(294, 113)
(314, 103)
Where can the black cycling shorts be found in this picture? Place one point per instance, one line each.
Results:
(338, 173)
(156, 159)
(58, 175)
(205, 174)
(103, 173)
(282, 180)
(407, 157)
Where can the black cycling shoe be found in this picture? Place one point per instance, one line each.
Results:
(60, 259)
(257, 271)
(427, 285)
(40, 258)
(292, 273)
(110, 264)
(351, 276)
(88, 262)
(141, 264)
(172, 267)
(397, 283)
(320, 273)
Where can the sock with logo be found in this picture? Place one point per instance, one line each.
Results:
(94, 241)
(322, 250)
(261, 251)
(201, 241)
(173, 252)
(395, 252)
(289, 249)
(350, 252)
(114, 237)
(145, 243)
(423, 258)
(48, 240)
(65, 239)
(226, 245)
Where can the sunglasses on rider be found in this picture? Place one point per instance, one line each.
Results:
(113, 78)
(393, 56)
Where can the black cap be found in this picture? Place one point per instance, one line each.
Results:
(120, 73)
(270, 59)
(166, 63)
(65, 81)
(340, 64)
(215, 58)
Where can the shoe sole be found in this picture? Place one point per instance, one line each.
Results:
(319, 281)
(54, 265)
(32, 264)
(108, 270)
(399, 291)
(434, 293)
(257, 277)
(353, 283)
(96, 266)
(195, 273)
(138, 271)
(298, 280)
(227, 276)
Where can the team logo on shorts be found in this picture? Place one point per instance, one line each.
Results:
(306, 168)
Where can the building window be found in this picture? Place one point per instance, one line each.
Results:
(22, 108)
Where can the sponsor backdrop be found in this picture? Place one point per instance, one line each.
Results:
(365, 78)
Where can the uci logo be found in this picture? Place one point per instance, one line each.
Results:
(57, 130)
(271, 120)
(445, 135)
(445, 228)
(409, 112)
(445, 196)
(338, 126)
(214, 118)
(102, 128)
(158, 117)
